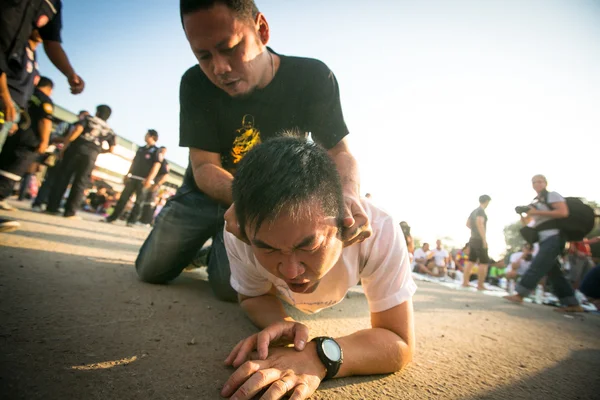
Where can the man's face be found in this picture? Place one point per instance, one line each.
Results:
(538, 184)
(298, 250)
(147, 138)
(438, 244)
(83, 115)
(227, 48)
(426, 247)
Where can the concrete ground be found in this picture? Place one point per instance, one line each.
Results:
(76, 323)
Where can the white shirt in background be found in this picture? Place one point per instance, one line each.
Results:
(440, 257)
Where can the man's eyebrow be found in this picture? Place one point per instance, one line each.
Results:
(262, 245)
(306, 241)
(223, 43)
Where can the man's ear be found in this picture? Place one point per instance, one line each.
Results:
(262, 28)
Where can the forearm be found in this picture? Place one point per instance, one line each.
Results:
(45, 128)
(264, 310)
(4, 92)
(481, 230)
(348, 169)
(373, 351)
(153, 172)
(58, 57)
(215, 182)
(551, 213)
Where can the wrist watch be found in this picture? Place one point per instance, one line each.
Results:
(330, 353)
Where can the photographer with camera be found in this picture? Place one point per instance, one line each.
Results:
(519, 262)
(547, 206)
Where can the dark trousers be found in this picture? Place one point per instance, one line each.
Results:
(184, 224)
(78, 164)
(15, 160)
(132, 186)
(49, 180)
(546, 263)
(149, 207)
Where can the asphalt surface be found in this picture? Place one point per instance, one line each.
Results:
(76, 323)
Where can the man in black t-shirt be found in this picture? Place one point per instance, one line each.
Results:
(240, 94)
(22, 148)
(478, 246)
(139, 179)
(78, 159)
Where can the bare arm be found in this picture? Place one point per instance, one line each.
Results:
(44, 129)
(57, 55)
(73, 134)
(469, 223)
(153, 172)
(346, 166)
(480, 227)
(209, 175)
(264, 310)
(387, 347)
(6, 100)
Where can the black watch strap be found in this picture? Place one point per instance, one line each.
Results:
(332, 366)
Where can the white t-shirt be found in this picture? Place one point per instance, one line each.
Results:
(523, 266)
(419, 253)
(381, 262)
(440, 257)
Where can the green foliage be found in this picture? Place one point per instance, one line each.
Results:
(512, 237)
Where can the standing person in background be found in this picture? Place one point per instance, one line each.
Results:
(546, 207)
(19, 18)
(140, 178)
(152, 195)
(478, 247)
(52, 169)
(81, 148)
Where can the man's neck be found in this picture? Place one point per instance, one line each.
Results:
(271, 65)
(45, 90)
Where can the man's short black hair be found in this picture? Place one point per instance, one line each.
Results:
(103, 112)
(285, 173)
(45, 82)
(83, 111)
(153, 134)
(245, 9)
(162, 148)
(484, 199)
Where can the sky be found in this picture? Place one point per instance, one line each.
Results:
(445, 100)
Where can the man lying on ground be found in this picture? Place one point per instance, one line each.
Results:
(289, 203)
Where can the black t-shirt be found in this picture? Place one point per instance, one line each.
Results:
(164, 169)
(96, 200)
(143, 161)
(478, 212)
(303, 96)
(95, 132)
(17, 19)
(40, 107)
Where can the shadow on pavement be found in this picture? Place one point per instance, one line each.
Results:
(79, 241)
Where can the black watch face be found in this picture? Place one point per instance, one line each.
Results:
(332, 350)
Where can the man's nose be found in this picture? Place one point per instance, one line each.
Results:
(221, 65)
(290, 267)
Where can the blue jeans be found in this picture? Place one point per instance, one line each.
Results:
(184, 224)
(546, 263)
(5, 128)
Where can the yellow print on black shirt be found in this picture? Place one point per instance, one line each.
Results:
(247, 137)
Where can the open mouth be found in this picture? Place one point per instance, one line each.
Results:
(231, 84)
(299, 287)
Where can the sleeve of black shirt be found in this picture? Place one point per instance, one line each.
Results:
(324, 109)
(51, 31)
(197, 127)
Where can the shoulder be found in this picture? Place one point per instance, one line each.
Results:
(555, 197)
(309, 65)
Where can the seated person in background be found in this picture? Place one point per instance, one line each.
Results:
(97, 200)
(519, 262)
(421, 258)
(580, 261)
(289, 203)
(441, 258)
(462, 257)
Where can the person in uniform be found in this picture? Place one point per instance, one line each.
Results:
(53, 164)
(81, 148)
(240, 94)
(25, 146)
(139, 179)
(152, 194)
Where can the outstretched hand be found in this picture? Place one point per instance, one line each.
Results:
(357, 226)
(279, 334)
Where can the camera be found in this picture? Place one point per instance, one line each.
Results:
(522, 209)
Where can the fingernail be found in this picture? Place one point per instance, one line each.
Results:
(301, 345)
(225, 390)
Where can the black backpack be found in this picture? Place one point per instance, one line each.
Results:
(577, 225)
